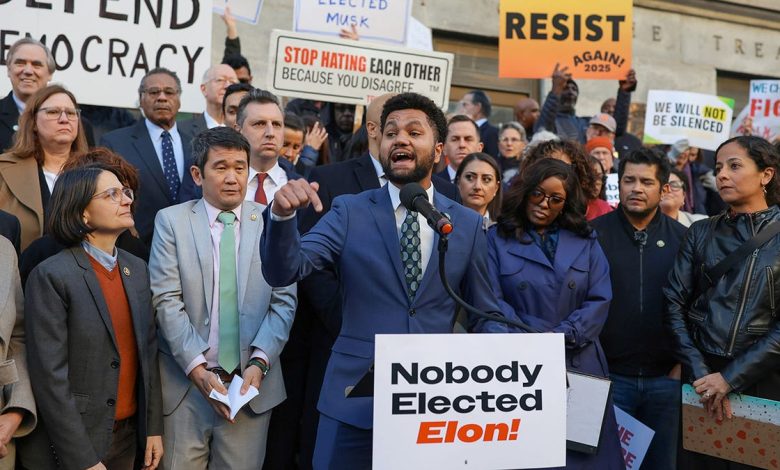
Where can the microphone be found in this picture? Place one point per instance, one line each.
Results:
(414, 198)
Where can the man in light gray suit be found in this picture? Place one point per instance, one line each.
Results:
(217, 316)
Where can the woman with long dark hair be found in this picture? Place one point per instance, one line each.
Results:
(548, 271)
(726, 326)
(479, 182)
(572, 153)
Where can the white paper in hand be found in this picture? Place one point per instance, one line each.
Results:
(234, 400)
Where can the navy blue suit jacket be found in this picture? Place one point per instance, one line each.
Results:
(488, 133)
(359, 236)
(134, 145)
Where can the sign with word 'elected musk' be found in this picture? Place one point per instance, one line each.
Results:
(375, 20)
(469, 401)
(104, 48)
(592, 39)
(345, 71)
(671, 116)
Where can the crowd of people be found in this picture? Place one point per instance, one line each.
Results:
(150, 263)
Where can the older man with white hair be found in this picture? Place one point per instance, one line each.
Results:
(216, 79)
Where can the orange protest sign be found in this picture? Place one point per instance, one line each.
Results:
(592, 39)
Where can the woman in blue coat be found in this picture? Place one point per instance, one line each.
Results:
(548, 271)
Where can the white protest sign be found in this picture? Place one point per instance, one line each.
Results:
(705, 120)
(612, 190)
(469, 401)
(635, 438)
(419, 36)
(103, 49)
(345, 71)
(764, 104)
(375, 20)
(246, 11)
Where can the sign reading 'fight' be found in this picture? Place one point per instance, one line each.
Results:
(592, 39)
(113, 44)
(344, 71)
(469, 401)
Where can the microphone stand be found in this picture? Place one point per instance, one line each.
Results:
(442, 247)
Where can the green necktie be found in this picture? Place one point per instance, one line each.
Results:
(411, 255)
(228, 295)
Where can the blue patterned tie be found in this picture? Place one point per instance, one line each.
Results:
(411, 254)
(169, 167)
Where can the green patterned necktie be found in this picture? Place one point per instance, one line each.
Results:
(411, 254)
(228, 295)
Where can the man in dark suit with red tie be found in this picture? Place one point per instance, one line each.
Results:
(260, 120)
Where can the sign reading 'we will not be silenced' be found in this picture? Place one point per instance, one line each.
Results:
(704, 120)
(113, 44)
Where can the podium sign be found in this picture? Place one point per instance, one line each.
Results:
(469, 401)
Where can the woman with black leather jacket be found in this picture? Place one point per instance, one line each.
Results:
(726, 329)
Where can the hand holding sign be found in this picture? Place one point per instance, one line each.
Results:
(629, 83)
(559, 79)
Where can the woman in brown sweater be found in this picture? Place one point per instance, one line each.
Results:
(91, 335)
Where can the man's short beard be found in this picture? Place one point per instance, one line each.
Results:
(420, 171)
(639, 214)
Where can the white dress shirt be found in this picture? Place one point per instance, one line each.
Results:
(276, 179)
(211, 123)
(155, 133)
(380, 172)
(451, 172)
(210, 358)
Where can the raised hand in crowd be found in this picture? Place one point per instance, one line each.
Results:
(316, 136)
(559, 78)
(207, 381)
(294, 195)
(628, 84)
(350, 33)
(230, 23)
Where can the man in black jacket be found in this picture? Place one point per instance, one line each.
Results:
(640, 243)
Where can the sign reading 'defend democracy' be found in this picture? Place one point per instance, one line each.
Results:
(469, 401)
(375, 20)
(103, 48)
(592, 39)
(705, 120)
(345, 71)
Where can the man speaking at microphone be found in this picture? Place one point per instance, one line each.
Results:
(388, 264)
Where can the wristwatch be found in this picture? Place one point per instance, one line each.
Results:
(260, 364)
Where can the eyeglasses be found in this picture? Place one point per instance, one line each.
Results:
(54, 113)
(155, 92)
(676, 186)
(222, 80)
(116, 194)
(536, 196)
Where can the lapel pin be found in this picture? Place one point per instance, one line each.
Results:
(253, 217)
(16, 127)
(660, 243)
(126, 270)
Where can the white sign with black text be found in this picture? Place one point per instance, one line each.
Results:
(469, 401)
(375, 20)
(104, 48)
(345, 71)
